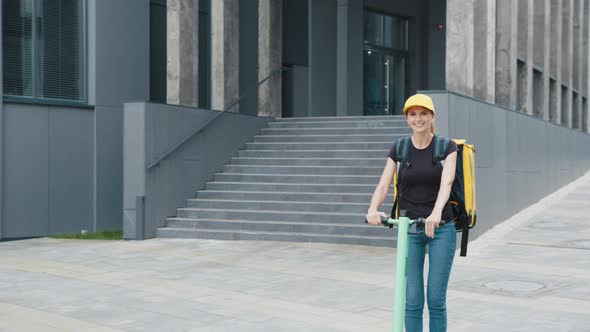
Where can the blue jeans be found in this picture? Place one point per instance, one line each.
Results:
(441, 251)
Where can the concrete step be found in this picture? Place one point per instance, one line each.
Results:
(316, 170)
(354, 154)
(342, 162)
(280, 226)
(298, 178)
(305, 179)
(328, 138)
(286, 146)
(338, 124)
(273, 215)
(197, 233)
(290, 196)
(342, 118)
(399, 130)
(292, 187)
(337, 207)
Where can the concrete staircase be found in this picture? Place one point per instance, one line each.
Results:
(301, 179)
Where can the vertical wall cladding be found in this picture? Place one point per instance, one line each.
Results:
(322, 55)
(70, 170)
(120, 67)
(109, 167)
(520, 158)
(48, 170)
(26, 178)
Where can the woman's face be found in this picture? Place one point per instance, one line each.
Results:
(420, 119)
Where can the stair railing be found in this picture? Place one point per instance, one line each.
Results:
(236, 101)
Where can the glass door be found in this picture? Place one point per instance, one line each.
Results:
(383, 83)
(385, 52)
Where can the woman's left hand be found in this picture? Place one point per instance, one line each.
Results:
(432, 223)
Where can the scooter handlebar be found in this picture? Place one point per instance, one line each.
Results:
(419, 221)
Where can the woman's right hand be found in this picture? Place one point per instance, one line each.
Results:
(374, 217)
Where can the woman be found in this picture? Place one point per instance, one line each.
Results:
(424, 189)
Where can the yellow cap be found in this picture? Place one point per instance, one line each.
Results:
(419, 100)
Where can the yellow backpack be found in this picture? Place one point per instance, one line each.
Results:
(462, 198)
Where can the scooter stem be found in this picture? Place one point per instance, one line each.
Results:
(400, 274)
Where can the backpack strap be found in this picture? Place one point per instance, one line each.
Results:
(441, 146)
(401, 157)
(464, 239)
(401, 149)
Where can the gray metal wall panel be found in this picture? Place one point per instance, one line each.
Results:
(133, 166)
(122, 54)
(26, 175)
(119, 63)
(167, 126)
(322, 58)
(520, 158)
(176, 178)
(70, 170)
(109, 167)
(441, 100)
(134, 152)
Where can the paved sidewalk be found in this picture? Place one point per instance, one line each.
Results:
(531, 273)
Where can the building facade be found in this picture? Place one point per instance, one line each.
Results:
(68, 68)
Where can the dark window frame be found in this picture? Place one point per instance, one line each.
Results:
(392, 51)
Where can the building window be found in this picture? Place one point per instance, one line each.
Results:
(584, 114)
(564, 106)
(521, 85)
(552, 100)
(43, 49)
(537, 93)
(385, 62)
(575, 110)
(204, 53)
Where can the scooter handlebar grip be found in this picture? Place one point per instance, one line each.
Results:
(383, 221)
(422, 221)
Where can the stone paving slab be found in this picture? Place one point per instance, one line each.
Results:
(529, 273)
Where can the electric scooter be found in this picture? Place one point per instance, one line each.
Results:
(403, 224)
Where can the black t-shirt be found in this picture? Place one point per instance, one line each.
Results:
(420, 182)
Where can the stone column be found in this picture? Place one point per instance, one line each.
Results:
(506, 51)
(270, 59)
(183, 52)
(459, 59)
(484, 84)
(225, 64)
